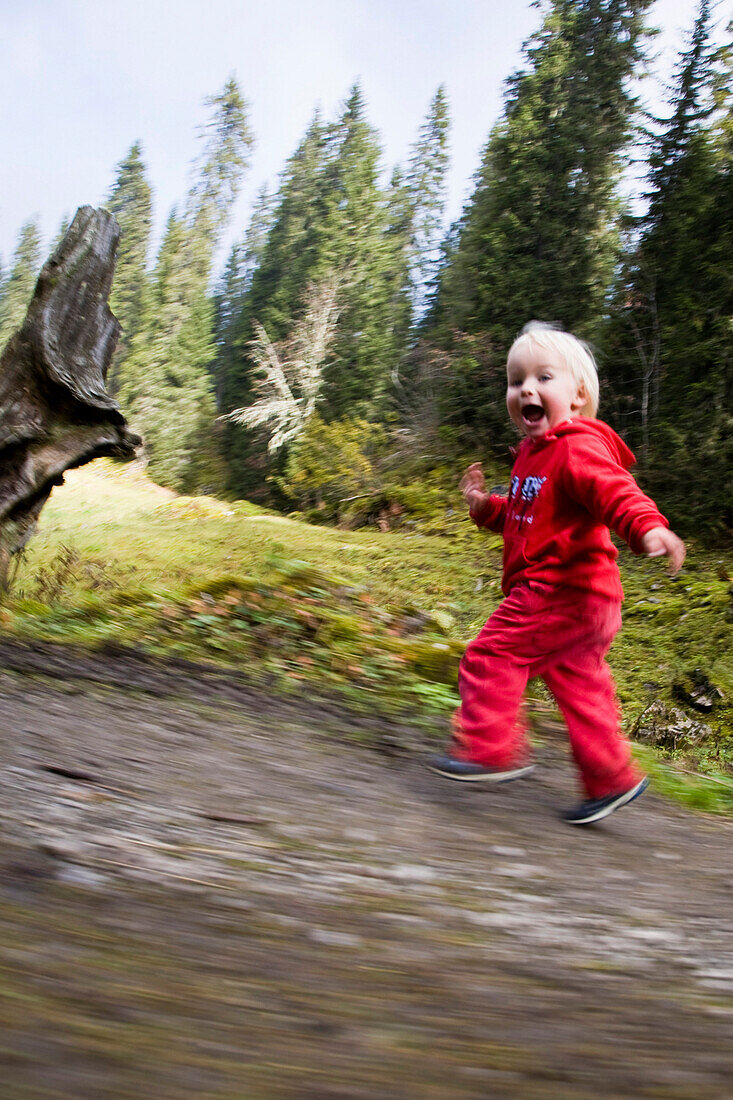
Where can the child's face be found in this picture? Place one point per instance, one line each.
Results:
(541, 391)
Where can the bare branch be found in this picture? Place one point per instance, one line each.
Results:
(291, 371)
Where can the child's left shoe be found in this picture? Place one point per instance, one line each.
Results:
(465, 771)
(595, 809)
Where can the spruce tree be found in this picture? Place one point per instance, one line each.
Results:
(244, 259)
(357, 245)
(426, 186)
(227, 144)
(287, 262)
(668, 342)
(538, 237)
(401, 271)
(130, 202)
(21, 279)
(331, 219)
(169, 382)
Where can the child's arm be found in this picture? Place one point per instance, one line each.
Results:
(609, 492)
(485, 509)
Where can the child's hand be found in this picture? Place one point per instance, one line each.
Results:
(472, 482)
(660, 542)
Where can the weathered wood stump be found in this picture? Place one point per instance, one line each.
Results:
(55, 412)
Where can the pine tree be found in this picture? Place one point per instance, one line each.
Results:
(166, 382)
(426, 185)
(286, 263)
(538, 237)
(415, 227)
(669, 338)
(244, 259)
(331, 218)
(227, 144)
(357, 244)
(401, 272)
(130, 202)
(169, 384)
(18, 287)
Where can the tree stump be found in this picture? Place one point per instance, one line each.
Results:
(55, 412)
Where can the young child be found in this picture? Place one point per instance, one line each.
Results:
(569, 485)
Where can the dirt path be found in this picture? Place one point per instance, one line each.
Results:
(203, 895)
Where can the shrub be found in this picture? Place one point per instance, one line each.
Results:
(332, 464)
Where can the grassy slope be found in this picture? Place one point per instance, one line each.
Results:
(379, 616)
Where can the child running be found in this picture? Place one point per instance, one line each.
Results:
(569, 485)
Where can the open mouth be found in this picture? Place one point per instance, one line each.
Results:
(532, 414)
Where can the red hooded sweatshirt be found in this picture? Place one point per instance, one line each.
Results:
(568, 487)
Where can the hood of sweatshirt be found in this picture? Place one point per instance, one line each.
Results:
(584, 425)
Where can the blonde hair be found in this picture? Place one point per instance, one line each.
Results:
(575, 354)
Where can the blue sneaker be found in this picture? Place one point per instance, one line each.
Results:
(451, 768)
(595, 809)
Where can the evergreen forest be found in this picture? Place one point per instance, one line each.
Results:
(350, 356)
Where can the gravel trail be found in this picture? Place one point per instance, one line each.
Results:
(208, 893)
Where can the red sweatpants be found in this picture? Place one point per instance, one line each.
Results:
(564, 639)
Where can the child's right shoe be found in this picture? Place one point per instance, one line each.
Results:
(450, 767)
(595, 809)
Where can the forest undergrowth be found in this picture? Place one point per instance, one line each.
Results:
(377, 618)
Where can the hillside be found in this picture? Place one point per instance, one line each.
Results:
(377, 618)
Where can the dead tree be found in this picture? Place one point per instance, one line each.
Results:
(55, 412)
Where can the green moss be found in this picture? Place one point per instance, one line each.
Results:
(436, 661)
(710, 794)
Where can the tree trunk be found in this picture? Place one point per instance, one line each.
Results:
(55, 412)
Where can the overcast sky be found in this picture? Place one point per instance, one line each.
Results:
(81, 80)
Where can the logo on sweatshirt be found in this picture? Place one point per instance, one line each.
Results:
(528, 489)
